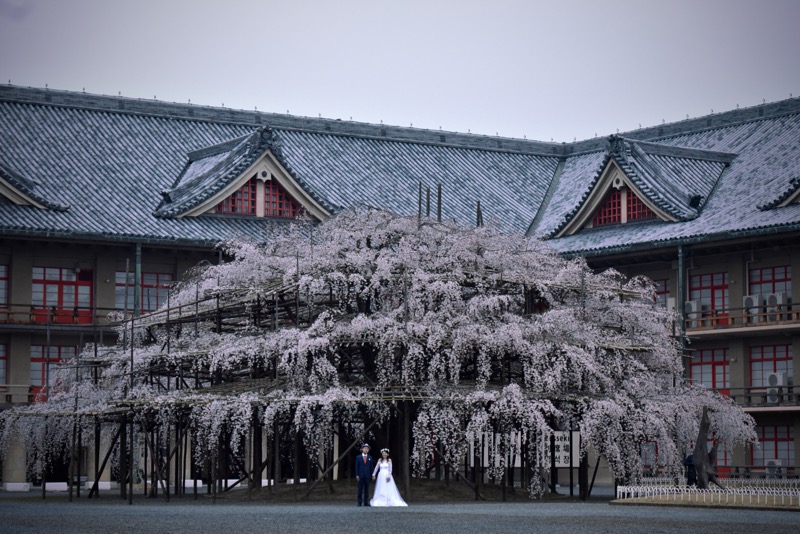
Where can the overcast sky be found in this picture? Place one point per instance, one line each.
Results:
(541, 69)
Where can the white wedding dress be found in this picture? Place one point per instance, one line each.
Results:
(386, 493)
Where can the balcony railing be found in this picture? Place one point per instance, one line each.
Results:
(16, 393)
(763, 397)
(27, 314)
(741, 318)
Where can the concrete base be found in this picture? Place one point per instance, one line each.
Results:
(16, 486)
(291, 481)
(189, 484)
(102, 485)
(57, 486)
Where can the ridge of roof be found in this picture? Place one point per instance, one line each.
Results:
(194, 112)
(121, 104)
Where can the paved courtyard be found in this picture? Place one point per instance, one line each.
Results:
(29, 514)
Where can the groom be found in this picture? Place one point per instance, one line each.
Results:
(364, 467)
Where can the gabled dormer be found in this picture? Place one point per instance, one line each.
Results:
(25, 191)
(242, 177)
(790, 195)
(642, 181)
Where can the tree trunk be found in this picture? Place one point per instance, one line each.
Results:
(704, 462)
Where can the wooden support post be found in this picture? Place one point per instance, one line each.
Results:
(123, 459)
(96, 451)
(258, 460)
(95, 486)
(406, 455)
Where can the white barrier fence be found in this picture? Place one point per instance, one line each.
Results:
(743, 495)
(792, 483)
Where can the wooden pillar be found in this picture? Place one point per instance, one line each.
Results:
(406, 456)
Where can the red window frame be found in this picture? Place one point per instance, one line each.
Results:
(662, 291)
(3, 364)
(3, 286)
(66, 293)
(278, 203)
(154, 290)
(611, 210)
(636, 209)
(767, 280)
(242, 202)
(711, 368)
(767, 359)
(777, 443)
(40, 362)
(711, 290)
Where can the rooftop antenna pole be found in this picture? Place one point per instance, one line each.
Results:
(419, 203)
(427, 202)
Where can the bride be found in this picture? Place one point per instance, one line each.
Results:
(386, 493)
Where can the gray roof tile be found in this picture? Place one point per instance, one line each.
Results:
(110, 158)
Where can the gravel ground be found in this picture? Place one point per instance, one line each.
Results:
(30, 514)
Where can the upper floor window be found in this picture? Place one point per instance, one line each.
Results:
(770, 359)
(261, 198)
(3, 364)
(621, 206)
(155, 288)
(278, 203)
(44, 360)
(710, 290)
(636, 209)
(611, 210)
(242, 202)
(710, 367)
(3, 285)
(777, 443)
(771, 280)
(62, 295)
(662, 291)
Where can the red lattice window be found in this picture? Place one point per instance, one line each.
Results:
(767, 360)
(611, 210)
(637, 210)
(771, 280)
(777, 443)
(711, 290)
(155, 288)
(3, 364)
(242, 202)
(710, 367)
(43, 364)
(662, 291)
(278, 203)
(3, 285)
(61, 295)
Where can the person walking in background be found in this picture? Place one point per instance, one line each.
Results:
(364, 467)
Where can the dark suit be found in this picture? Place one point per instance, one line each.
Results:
(364, 474)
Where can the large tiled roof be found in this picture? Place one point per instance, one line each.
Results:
(766, 166)
(125, 169)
